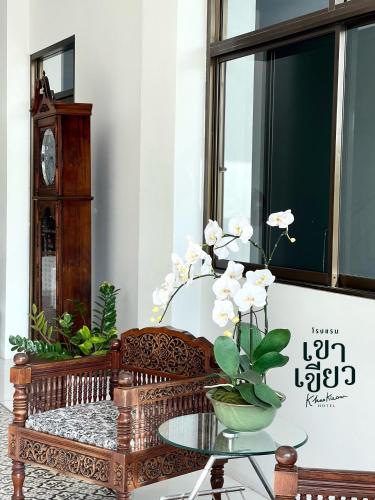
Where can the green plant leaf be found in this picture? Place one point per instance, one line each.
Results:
(268, 361)
(98, 340)
(86, 347)
(274, 341)
(250, 376)
(248, 394)
(85, 333)
(100, 353)
(245, 362)
(228, 396)
(268, 395)
(34, 309)
(76, 339)
(227, 355)
(245, 338)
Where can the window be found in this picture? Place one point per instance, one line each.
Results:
(357, 235)
(241, 16)
(58, 63)
(290, 125)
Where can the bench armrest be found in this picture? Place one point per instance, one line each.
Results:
(143, 408)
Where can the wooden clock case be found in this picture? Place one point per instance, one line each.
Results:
(61, 246)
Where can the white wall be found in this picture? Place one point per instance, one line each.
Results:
(158, 83)
(14, 171)
(3, 166)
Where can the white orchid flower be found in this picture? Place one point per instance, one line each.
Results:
(160, 297)
(224, 245)
(225, 287)
(212, 232)
(194, 253)
(261, 277)
(222, 312)
(281, 219)
(250, 296)
(241, 227)
(170, 280)
(234, 270)
(207, 264)
(180, 268)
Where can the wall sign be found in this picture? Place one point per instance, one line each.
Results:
(327, 371)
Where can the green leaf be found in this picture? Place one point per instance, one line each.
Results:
(228, 396)
(268, 395)
(245, 362)
(274, 341)
(102, 352)
(227, 355)
(86, 347)
(248, 394)
(270, 360)
(98, 340)
(34, 309)
(85, 332)
(76, 339)
(250, 376)
(256, 337)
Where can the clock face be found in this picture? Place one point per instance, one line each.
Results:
(48, 157)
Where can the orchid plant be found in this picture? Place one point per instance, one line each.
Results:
(246, 350)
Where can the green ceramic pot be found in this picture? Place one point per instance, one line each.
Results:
(242, 418)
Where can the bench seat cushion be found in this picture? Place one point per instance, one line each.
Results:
(92, 423)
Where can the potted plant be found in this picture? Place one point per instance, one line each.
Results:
(247, 349)
(62, 340)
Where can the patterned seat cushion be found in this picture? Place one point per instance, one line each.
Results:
(93, 423)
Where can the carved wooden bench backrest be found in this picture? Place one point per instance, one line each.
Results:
(158, 354)
(65, 383)
(319, 484)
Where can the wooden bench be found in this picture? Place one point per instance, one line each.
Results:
(312, 484)
(164, 376)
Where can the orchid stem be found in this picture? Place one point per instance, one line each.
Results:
(179, 288)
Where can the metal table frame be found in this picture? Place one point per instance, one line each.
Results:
(211, 461)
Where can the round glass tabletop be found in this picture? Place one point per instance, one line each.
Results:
(202, 432)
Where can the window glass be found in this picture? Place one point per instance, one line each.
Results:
(277, 147)
(357, 229)
(242, 16)
(60, 70)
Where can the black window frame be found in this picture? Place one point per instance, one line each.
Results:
(36, 66)
(337, 19)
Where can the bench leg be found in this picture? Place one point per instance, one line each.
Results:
(18, 477)
(217, 477)
(123, 496)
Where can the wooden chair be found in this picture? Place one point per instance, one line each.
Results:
(165, 377)
(312, 484)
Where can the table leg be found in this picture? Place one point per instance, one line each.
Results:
(262, 478)
(202, 477)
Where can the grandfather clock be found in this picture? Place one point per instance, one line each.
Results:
(61, 203)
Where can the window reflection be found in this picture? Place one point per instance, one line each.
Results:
(48, 246)
(242, 16)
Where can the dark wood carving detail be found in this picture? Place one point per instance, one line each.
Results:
(166, 351)
(62, 460)
(118, 474)
(12, 445)
(172, 391)
(163, 466)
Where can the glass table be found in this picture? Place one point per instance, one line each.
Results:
(203, 433)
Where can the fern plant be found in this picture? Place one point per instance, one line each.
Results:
(74, 342)
(41, 349)
(105, 316)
